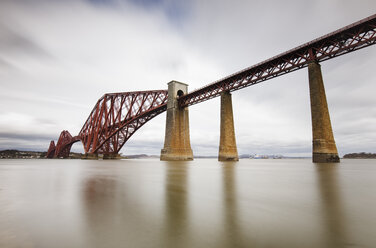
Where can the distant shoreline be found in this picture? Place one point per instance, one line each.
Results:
(361, 155)
(16, 154)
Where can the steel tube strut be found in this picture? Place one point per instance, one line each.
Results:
(345, 40)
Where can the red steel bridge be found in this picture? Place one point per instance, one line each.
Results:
(117, 116)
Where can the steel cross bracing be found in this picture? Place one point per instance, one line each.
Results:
(51, 150)
(62, 150)
(117, 116)
(348, 39)
(63, 146)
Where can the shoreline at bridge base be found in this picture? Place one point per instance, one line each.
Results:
(325, 158)
(90, 156)
(228, 157)
(111, 156)
(177, 145)
(176, 155)
(227, 144)
(324, 149)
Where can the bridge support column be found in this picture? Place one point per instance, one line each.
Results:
(324, 148)
(227, 143)
(177, 145)
(92, 156)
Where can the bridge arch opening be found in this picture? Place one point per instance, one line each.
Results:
(180, 93)
(76, 148)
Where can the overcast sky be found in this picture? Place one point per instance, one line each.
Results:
(58, 57)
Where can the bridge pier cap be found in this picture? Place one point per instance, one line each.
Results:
(177, 145)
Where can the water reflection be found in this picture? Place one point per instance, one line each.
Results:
(208, 218)
(118, 211)
(176, 204)
(100, 210)
(203, 203)
(332, 205)
(232, 229)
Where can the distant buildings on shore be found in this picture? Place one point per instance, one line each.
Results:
(11, 154)
(15, 154)
(258, 156)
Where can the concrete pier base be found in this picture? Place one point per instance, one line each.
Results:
(324, 149)
(227, 144)
(177, 145)
(111, 156)
(92, 156)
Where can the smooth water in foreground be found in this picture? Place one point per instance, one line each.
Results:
(203, 203)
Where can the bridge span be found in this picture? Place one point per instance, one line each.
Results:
(117, 116)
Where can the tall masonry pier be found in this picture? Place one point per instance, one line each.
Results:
(177, 145)
(227, 143)
(324, 148)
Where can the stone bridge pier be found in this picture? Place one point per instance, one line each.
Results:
(324, 149)
(227, 144)
(177, 145)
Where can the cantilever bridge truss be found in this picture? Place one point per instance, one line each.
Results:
(117, 116)
(113, 120)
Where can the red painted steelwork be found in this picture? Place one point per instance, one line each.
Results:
(64, 144)
(51, 150)
(348, 39)
(117, 116)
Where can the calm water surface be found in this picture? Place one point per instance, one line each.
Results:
(203, 203)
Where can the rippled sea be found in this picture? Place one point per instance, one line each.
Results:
(202, 203)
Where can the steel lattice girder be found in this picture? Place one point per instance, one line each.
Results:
(61, 146)
(117, 116)
(345, 40)
(51, 150)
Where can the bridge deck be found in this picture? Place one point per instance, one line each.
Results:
(348, 39)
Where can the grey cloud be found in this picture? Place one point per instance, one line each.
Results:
(6, 66)
(142, 147)
(25, 137)
(278, 147)
(12, 42)
(176, 11)
(4, 63)
(30, 142)
(45, 121)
